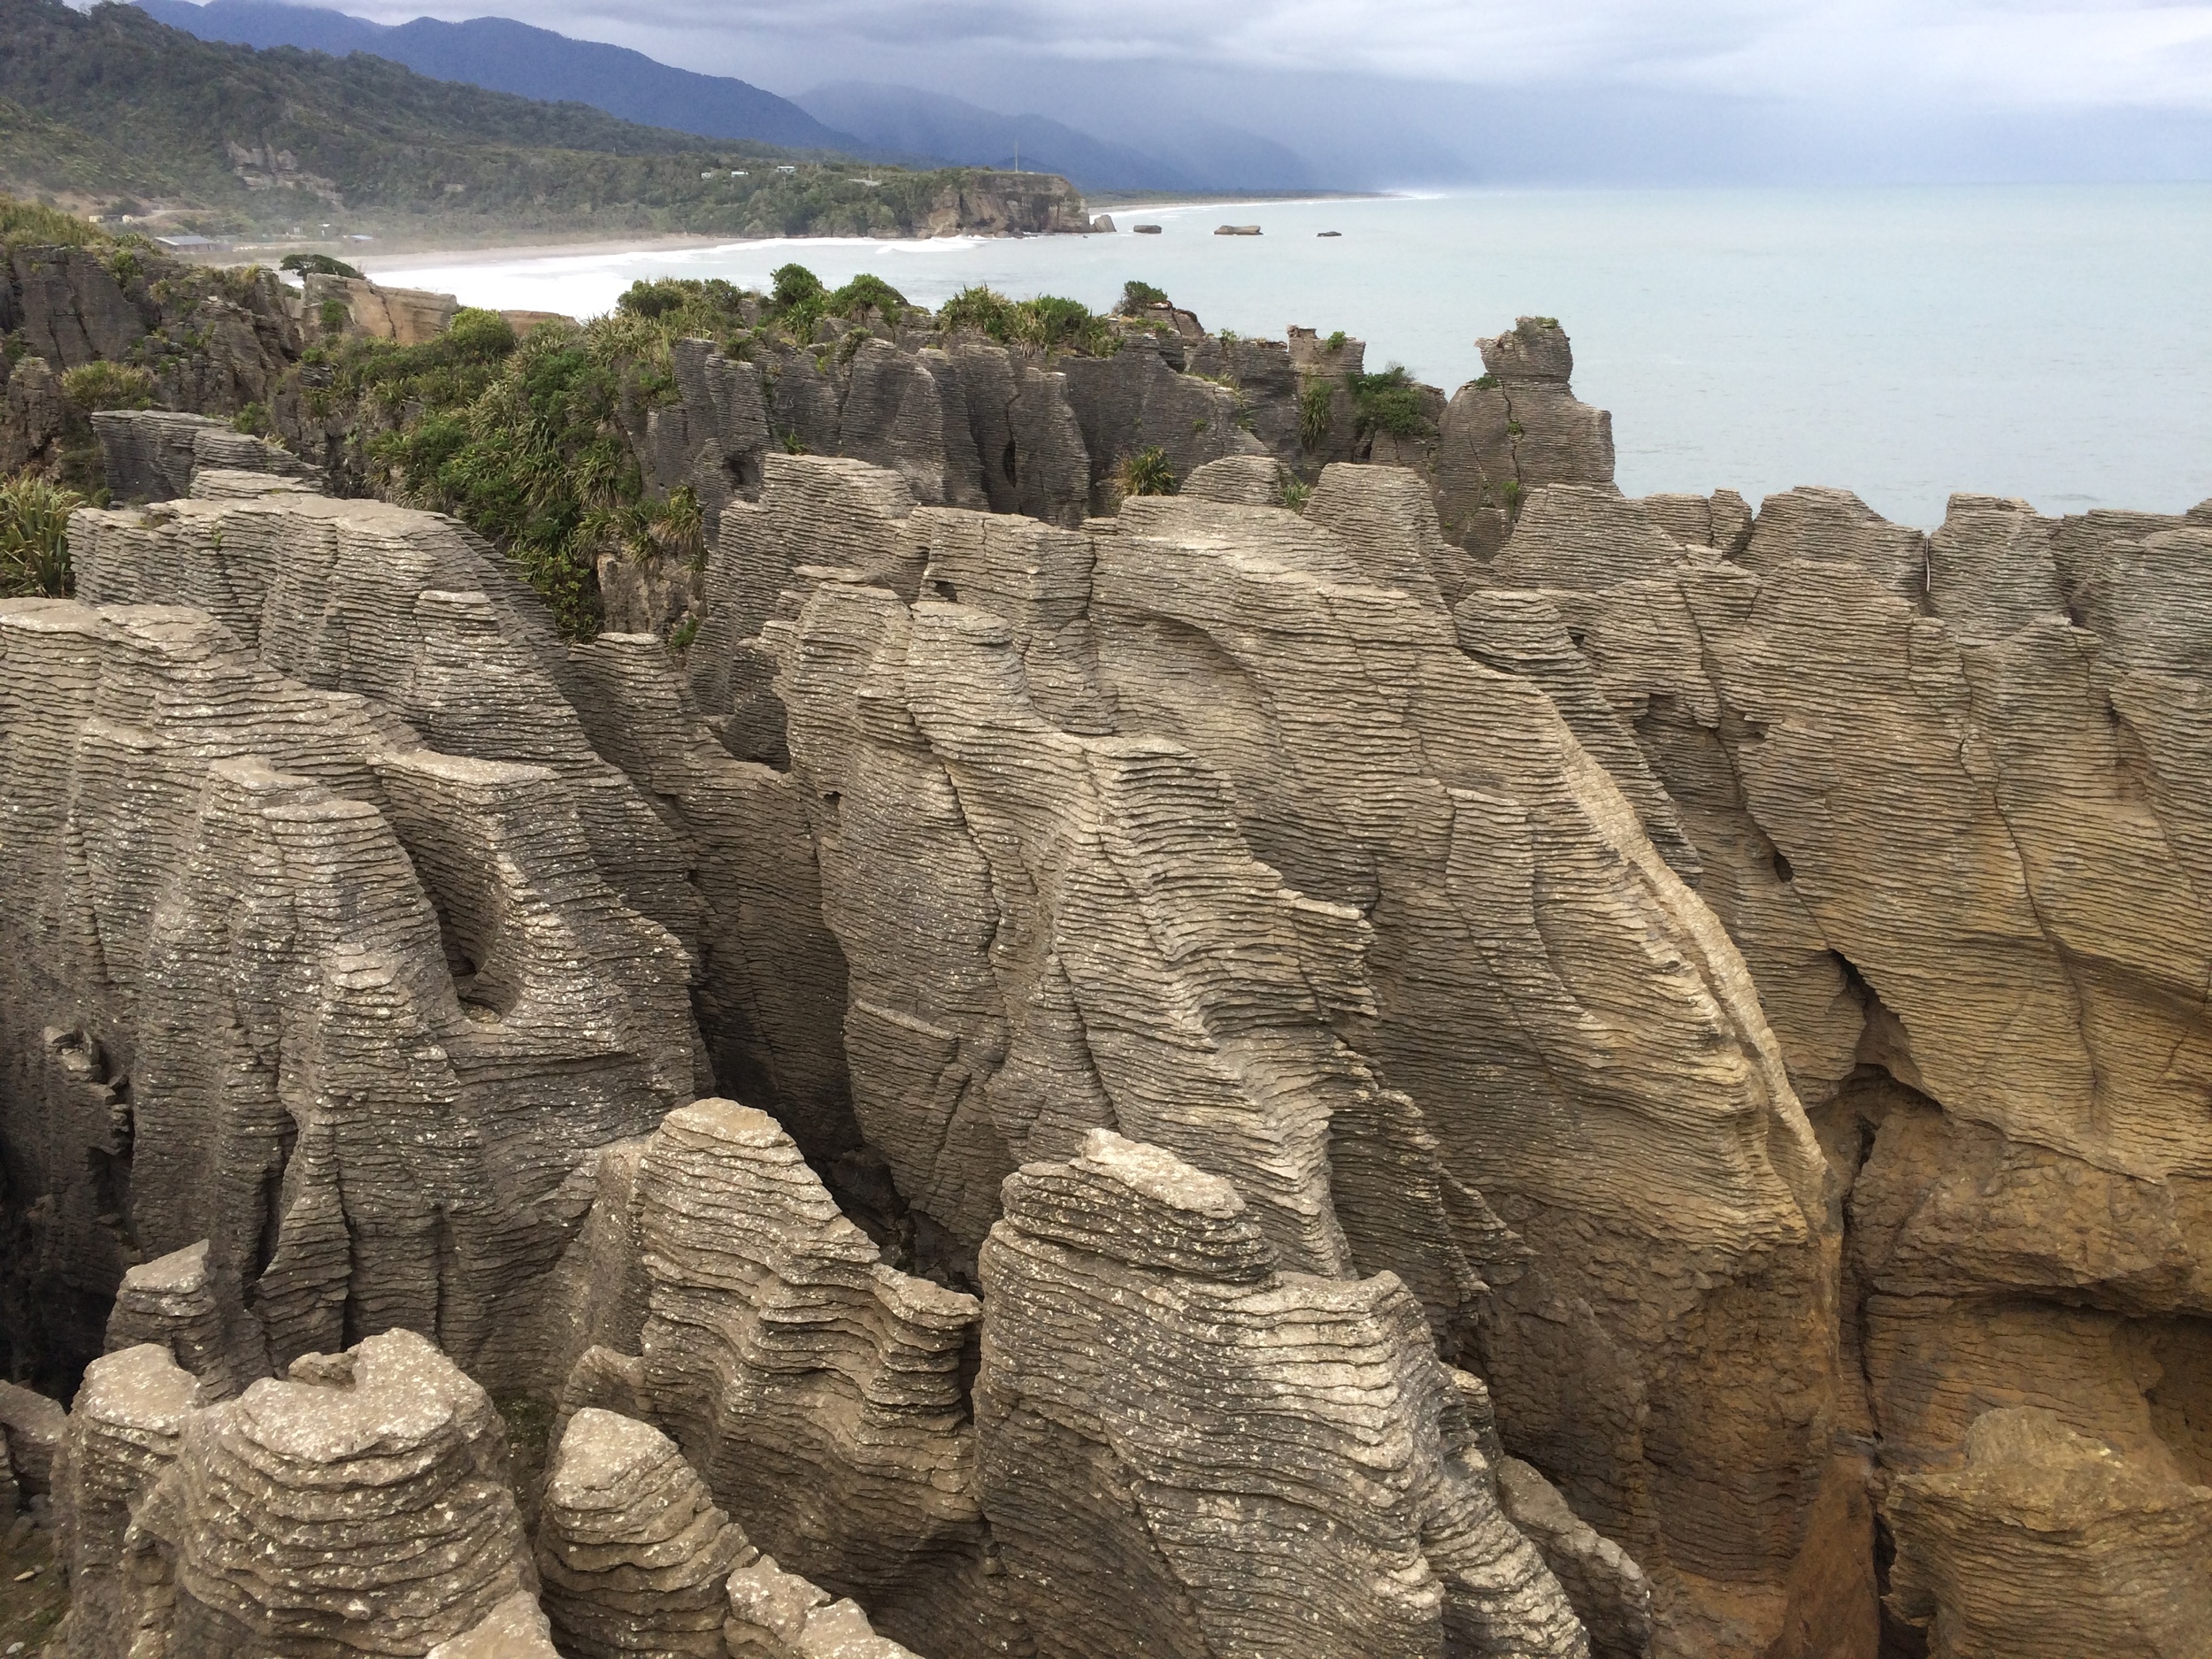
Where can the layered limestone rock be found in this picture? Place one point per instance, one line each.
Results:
(211, 342)
(408, 610)
(516, 1629)
(339, 307)
(362, 1503)
(1368, 1008)
(2046, 1543)
(925, 745)
(1458, 884)
(1467, 821)
(351, 1011)
(1511, 431)
(125, 1429)
(149, 454)
(818, 1391)
(1943, 794)
(1340, 1505)
(176, 1302)
(777, 1615)
(1135, 400)
(769, 977)
(633, 1555)
(985, 203)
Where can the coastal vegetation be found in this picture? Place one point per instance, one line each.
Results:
(1388, 402)
(523, 437)
(1146, 473)
(317, 265)
(34, 537)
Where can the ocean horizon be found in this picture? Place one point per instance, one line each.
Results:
(2053, 342)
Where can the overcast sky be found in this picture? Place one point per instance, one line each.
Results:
(2117, 88)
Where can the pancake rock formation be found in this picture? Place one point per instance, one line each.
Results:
(1394, 1052)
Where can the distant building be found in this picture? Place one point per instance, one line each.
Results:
(787, 168)
(190, 244)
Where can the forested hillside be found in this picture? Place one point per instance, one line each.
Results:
(111, 106)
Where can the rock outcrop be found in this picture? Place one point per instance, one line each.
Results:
(361, 1504)
(209, 342)
(336, 307)
(125, 1429)
(2044, 1542)
(1046, 761)
(1471, 1066)
(1940, 791)
(364, 1500)
(818, 1390)
(777, 1615)
(1514, 430)
(178, 1304)
(1130, 1298)
(983, 202)
(237, 887)
(633, 1555)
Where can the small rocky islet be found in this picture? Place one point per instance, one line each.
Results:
(1070, 986)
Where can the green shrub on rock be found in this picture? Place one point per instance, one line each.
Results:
(1317, 413)
(92, 387)
(316, 265)
(1146, 473)
(34, 537)
(1388, 402)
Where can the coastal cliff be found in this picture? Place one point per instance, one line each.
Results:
(1068, 987)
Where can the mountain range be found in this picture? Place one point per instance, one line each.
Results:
(899, 124)
(117, 111)
(503, 56)
(1199, 154)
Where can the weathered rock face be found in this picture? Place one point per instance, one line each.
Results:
(1944, 796)
(2045, 1542)
(988, 203)
(177, 1302)
(213, 341)
(817, 1390)
(124, 1430)
(156, 455)
(777, 1615)
(1135, 400)
(1514, 430)
(237, 888)
(266, 906)
(1736, 985)
(1045, 762)
(364, 1501)
(632, 1551)
(1129, 1296)
(333, 307)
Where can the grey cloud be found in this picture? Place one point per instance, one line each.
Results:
(2119, 51)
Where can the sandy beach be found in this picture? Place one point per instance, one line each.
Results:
(411, 250)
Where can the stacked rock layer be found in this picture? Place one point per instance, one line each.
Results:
(1475, 1066)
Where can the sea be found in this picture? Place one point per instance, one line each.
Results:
(2053, 342)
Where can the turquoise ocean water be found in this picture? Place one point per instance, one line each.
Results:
(2054, 342)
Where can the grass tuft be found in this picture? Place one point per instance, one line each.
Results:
(34, 537)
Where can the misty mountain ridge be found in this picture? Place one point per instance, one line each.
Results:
(501, 55)
(1195, 155)
(901, 125)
